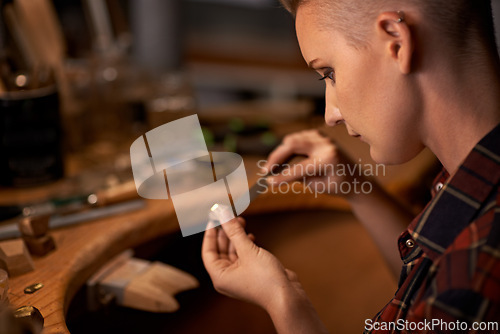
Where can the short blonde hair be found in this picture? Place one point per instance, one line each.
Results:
(457, 20)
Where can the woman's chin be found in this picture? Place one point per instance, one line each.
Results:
(391, 158)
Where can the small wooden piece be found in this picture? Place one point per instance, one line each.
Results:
(140, 284)
(34, 231)
(16, 257)
(40, 246)
(154, 289)
(34, 226)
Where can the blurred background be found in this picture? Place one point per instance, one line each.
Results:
(106, 71)
(121, 67)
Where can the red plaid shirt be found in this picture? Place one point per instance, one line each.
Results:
(450, 280)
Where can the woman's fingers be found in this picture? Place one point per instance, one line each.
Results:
(209, 248)
(237, 235)
(218, 245)
(222, 243)
(295, 172)
(317, 149)
(233, 256)
(291, 275)
(281, 154)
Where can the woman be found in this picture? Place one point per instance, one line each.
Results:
(401, 75)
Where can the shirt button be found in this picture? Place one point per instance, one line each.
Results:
(439, 186)
(410, 243)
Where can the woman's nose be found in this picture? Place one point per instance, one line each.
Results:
(333, 116)
(332, 112)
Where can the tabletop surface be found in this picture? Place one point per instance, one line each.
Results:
(83, 248)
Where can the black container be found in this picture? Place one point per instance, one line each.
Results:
(30, 137)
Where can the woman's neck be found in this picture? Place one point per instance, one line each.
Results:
(464, 105)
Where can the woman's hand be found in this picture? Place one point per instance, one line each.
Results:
(242, 270)
(326, 168)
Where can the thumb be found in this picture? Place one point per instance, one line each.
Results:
(237, 235)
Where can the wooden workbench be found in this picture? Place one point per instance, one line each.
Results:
(84, 248)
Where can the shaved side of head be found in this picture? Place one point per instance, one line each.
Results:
(458, 21)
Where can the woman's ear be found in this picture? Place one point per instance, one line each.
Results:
(395, 34)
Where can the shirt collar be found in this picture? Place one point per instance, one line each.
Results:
(460, 198)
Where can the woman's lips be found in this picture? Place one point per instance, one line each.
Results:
(357, 135)
(353, 134)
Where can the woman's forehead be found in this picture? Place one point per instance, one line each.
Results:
(315, 39)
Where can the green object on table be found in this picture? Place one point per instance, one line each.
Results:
(236, 125)
(230, 143)
(268, 138)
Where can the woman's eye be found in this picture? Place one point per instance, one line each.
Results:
(328, 75)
